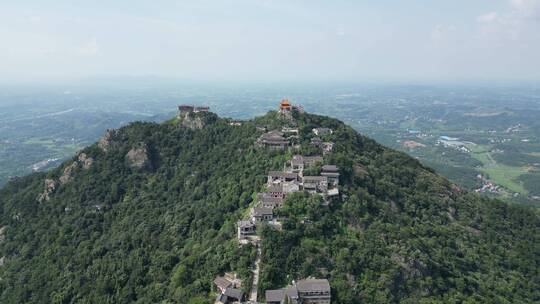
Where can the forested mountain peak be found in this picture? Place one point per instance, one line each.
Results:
(149, 213)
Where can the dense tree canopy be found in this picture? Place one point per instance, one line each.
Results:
(115, 233)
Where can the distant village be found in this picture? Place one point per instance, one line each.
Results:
(280, 184)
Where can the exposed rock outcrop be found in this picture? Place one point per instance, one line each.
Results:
(139, 158)
(67, 175)
(50, 186)
(196, 121)
(451, 213)
(107, 141)
(191, 121)
(2, 235)
(85, 161)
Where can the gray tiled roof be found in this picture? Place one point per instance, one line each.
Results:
(221, 282)
(261, 211)
(314, 178)
(331, 174)
(282, 174)
(330, 168)
(292, 292)
(274, 295)
(273, 135)
(234, 293)
(306, 285)
(297, 159)
(275, 188)
(245, 224)
(267, 198)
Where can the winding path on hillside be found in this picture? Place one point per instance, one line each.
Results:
(255, 285)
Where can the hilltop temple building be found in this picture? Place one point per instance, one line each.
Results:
(192, 109)
(285, 108)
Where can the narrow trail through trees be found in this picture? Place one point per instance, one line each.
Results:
(255, 285)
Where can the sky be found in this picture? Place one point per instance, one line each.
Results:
(265, 40)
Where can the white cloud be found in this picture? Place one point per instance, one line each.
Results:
(487, 18)
(520, 22)
(526, 10)
(530, 8)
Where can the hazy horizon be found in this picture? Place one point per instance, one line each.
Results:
(271, 41)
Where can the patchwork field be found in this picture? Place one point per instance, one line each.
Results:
(504, 175)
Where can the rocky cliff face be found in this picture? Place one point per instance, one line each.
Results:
(107, 140)
(139, 158)
(191, 121)
(85, 161)
(49, 187)
(67, 174)
(82, 161)
(196, 121)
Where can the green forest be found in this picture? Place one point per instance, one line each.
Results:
(112, 232)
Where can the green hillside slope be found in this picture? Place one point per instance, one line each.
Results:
(148, 215)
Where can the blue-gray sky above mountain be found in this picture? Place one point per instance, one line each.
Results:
(282, 40)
